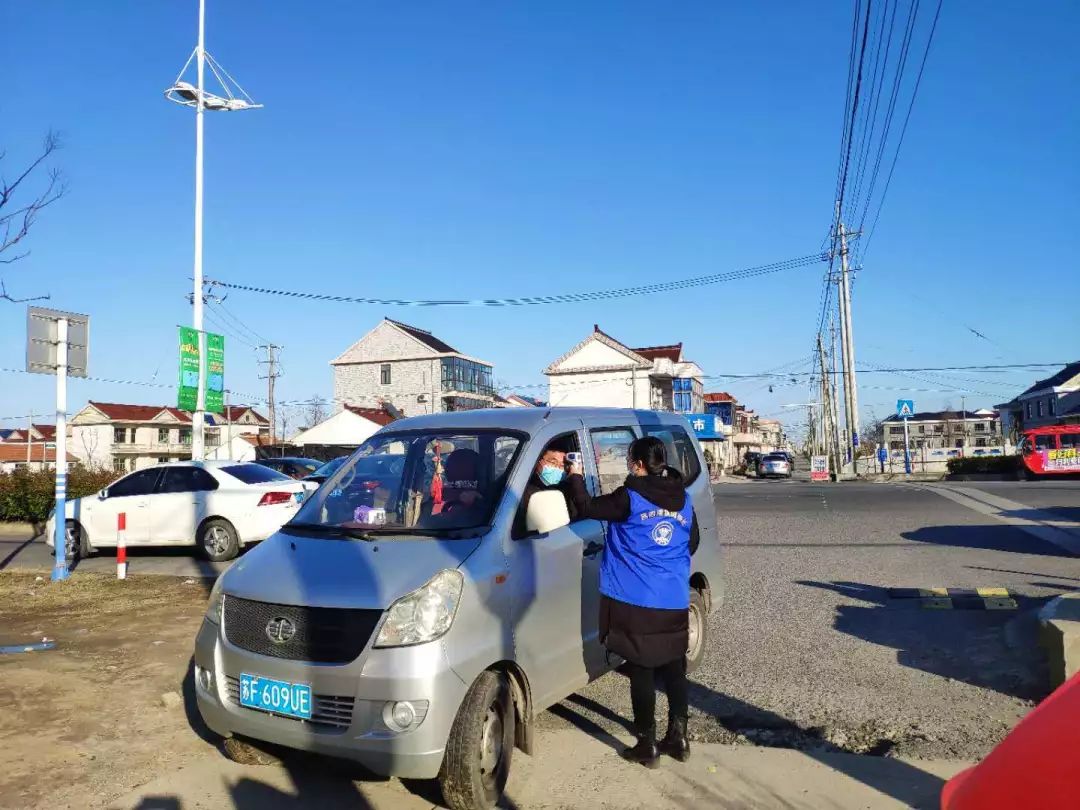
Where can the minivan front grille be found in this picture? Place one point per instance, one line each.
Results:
(319, 635)
(330, 711)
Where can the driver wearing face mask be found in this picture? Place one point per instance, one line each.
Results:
(549, 473)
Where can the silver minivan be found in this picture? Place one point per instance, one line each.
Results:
(416, 616)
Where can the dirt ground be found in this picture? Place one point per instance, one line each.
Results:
(111, 706)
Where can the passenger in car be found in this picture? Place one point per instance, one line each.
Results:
(548, 473)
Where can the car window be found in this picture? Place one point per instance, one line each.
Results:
(680, 450)
(139, 483)
(611, 446)
(1044, 442)
(186, 479)
(254, 473)
(1070, 439)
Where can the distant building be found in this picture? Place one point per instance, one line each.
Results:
(942, 430)
(517, 401)
(349, 427)
(125, 437)
(601, 371)
(13, 457)
(412, 370)
(1052, 401)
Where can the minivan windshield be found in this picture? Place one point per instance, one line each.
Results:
(426, 483)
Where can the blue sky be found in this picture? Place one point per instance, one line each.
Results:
(496, 149)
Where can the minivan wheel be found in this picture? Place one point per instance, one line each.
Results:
(477, 759)
(218, 540)
(699, 631)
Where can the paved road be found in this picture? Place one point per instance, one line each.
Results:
(808, 648)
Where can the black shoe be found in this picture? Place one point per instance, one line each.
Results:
(675, 743)
(645, 752)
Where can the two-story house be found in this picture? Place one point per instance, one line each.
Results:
(1052, 401)
(604, 372)
(125, 437)
(942, 430)
(412, 370)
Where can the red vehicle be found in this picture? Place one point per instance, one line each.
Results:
(1051, 450)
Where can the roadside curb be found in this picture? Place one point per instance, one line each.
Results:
(1059, 635)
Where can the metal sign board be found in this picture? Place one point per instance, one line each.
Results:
(819, 468)
(905, 408)
(706, 425)
(41, 334)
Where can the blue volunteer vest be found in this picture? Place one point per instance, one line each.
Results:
(647, 557)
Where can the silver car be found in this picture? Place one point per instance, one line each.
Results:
(418, 618)
(774, 465)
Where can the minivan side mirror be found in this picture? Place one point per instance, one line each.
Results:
(103, 494)
(546, 512)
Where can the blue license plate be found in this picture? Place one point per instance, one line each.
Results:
(279, 697)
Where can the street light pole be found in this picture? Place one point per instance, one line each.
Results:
(198, 446)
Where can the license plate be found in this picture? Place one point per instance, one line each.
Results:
(299, 497)
(279, 697)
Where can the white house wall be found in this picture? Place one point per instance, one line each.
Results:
(344, 428)
(601, 389)
(593, 354)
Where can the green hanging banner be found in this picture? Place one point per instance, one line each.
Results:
(213, 366)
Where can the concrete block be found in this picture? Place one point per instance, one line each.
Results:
(1059, 635)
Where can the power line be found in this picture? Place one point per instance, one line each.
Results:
(570, 298)
(907, 118)
(228, 313)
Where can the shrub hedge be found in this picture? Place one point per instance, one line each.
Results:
(28, 496)
(984, 464)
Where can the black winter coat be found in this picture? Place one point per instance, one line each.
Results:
(648, 637)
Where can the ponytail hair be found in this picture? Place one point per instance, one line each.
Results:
(650, 451)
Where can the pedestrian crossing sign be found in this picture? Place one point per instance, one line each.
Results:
(905, 408)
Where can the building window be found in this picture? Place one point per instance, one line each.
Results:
(163, 435)
(1027, 410)
(980, 427)
(119, 465)
(384, 374)
(1039, 408)
(896, 431)
(922, 429)
(185, 435)
(980, 442)
(119, 435)
(939, 428)
(466, 376)
(213, 438)
(1051, 406)
(163, 460)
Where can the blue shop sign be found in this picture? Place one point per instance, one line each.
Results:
(706, 425)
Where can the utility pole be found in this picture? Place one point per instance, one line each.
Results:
(271, 376)
(828, 407)
(29, 436)
(847, 346)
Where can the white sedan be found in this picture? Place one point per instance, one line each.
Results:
(216, 505)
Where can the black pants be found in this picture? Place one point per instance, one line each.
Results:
(643, 691)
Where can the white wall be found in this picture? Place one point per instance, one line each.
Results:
(344, 428)
(600, 389)
(91, 445)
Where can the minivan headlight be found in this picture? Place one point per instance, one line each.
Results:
(423, 615)
(217, 596)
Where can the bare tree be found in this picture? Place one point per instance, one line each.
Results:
(315, 410)
(19, 212)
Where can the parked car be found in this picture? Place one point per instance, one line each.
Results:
(292, 466)
(774, 465)
(324, 471)
(422, 632)
(218, 506)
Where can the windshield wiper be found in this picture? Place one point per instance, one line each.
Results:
(329, 530)
(453, 534)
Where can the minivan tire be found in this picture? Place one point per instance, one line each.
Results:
(478, 752)
(75, 545)
(218, 540)
(699, 631)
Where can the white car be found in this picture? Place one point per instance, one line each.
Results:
(216, 505)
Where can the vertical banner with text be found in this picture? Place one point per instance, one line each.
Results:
(213, 366)
(215, 373)
(187, 393)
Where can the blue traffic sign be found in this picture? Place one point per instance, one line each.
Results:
(882, 454)
(905, 408)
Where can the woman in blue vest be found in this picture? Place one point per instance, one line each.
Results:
(645, 589)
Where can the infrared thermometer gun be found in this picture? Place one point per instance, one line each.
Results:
(574, 460)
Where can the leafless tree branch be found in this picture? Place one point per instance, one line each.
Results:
(15, 223)
(5, 296)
